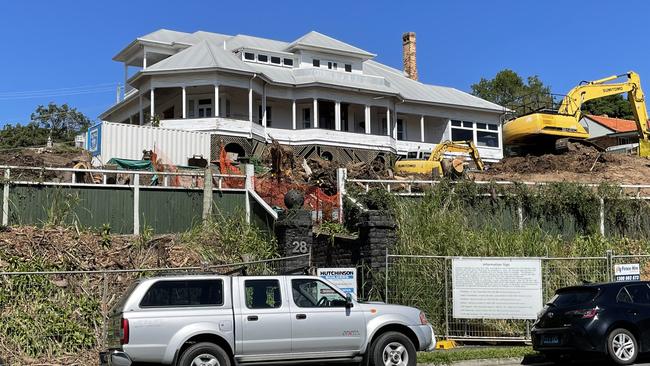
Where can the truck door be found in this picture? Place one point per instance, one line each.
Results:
(265, 317)
(321, 322)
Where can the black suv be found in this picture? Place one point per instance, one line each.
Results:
(609, 318)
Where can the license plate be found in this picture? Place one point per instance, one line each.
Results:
(548, 340)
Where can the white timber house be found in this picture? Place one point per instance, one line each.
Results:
(319, 95)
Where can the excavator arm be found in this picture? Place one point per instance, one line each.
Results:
(572, 103)
(467, 147)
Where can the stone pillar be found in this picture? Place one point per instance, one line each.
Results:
(377, 232)
(293, 231)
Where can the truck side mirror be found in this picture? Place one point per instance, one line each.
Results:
(348, 301)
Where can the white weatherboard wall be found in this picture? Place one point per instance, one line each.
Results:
(172, 146)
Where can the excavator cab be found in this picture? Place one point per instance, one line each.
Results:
(550, 131)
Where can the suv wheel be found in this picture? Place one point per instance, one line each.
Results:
(622, 346)
(393, 349)
(204, 354)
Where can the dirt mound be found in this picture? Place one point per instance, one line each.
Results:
(580, 164)
(57, 157)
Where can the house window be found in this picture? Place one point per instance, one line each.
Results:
(487, 134)
(275, 60)
(348, 68)
(262, 58)
(288, 62)
(331, 65)
(249, 56)
(204, 108)
(462, 131)
(400, 129)
(316, 63)
(227, 108)
(306, 118)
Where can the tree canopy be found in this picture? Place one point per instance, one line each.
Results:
(616, 106)
(61, 121)
(508, 89)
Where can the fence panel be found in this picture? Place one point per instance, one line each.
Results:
(426, 283)
(59, 317)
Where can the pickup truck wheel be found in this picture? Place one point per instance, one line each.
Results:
(393, 349)
(204, 354)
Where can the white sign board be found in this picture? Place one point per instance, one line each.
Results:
(501, 288)
(343, 278)
(627, 272)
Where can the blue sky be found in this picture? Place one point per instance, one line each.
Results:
(52, 48)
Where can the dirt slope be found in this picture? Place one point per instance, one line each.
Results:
(580, 164)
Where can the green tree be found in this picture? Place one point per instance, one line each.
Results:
(508, 89)
(616, 106)
(12, 136)
(62, 121)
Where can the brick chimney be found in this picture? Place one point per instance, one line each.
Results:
(408, 55)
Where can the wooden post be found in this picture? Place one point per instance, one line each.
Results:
(136, 204)
(5, 198)
(207, 194)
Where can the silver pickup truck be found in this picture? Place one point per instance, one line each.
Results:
(211, 320)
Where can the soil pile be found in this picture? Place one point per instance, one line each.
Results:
(581, 163)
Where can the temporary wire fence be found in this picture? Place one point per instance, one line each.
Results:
(52, 314)
(426, 283)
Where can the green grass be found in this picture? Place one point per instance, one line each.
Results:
(448, 357)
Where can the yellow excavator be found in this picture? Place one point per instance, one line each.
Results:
(437, 165)
(549, 130)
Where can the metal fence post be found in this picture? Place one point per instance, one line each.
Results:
(386, 279)
(602, 216)
(5, 198)
(446, 269)
(610, 265)
(341, 176)
(136, 204)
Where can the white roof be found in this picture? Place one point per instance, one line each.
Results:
(317, 40)
(206, 51)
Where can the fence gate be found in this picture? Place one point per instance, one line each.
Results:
(426, 283)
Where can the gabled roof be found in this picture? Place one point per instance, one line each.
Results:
(614, 124)
(205, 55)
(317, 40)
(205, 51)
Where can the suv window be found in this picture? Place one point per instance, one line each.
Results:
(640, 293)
(184, 293)
(262, 294)
(574, 297)
(624, 296)
(311, 293)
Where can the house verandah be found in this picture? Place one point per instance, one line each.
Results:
(249, 107)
